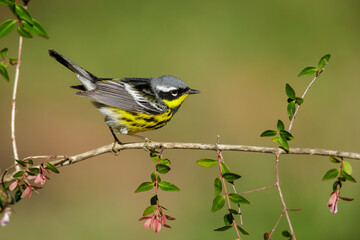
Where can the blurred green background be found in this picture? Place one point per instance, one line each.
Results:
(239, 54)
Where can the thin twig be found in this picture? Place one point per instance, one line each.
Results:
(259, 189)
(277, 223)
(194, 146)
(13, 103)
(282, 197)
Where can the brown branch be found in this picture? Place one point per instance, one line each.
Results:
(64, 161)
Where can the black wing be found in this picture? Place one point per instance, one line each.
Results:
(125, 95)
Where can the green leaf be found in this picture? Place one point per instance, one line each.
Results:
(4, 72)
(34, 170)
(13, 61)
(154, 155)
(18, 174)
(286, 135)
(286, 234)
(218, 203)
(242, 230)
(51, 167)
(23, 32)
(299, 100)
(23, 14)
(217, 186)
(145, 186)
(291, 109)
(6, 27)
(228, 219)
(334, 160)
(280, 125)
(231, 176)
(290, 91)
(268, 133)
(6, 2)
(162, 168)
(347, 167)
(165, 161)
(348, 177)
(18, 195)
(149, 210)
(166, 186)
(236, 198)
(224, 168)
(3, 52)
(331, 174)
(308, 71)
(153, 177)
(224, 228)
(233, 211)
(206, 162)
(323, 59)
(153, 200)
(40, 30)
(21, 163)
(283, 143)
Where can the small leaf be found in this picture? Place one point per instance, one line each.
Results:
(51, 167)
(18, 195)
(233, 211)
(280, 125)
(224, 168)
(283, 143)
(268, 133)
(236, 198)
(206, 162)
(153, 200)
(4, 72)
(23, 32)
(6, 27)
(153, 177)
(40, 29)
(218, 203)
(34, 170)
(6, 2)
(228, 219)
(267, 235)
(348, 177)
(217, 186)
(286, 233)
(13, 61)
(308, 71)
(166, 186)
(145, 186)
(323, 59)
(242, 230)
(149, 210)
(165, 161)
(290, 91)
(162, 168)
(21, 163)
(231, 176)
(18, 174)
(299, 100)
(347, 167)
(331, 174)
(3, 52)
(286, 135)
(23, 14)
(291, 109)
(334, 160)
(224, 228)
(346, 199)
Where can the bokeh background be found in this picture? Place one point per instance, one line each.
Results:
(239, 54)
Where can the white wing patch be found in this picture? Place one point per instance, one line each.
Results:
(140, 99)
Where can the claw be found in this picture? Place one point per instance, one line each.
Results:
(147, 141)
(113, 150)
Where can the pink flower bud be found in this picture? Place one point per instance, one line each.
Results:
(333, 201)
(13, 185)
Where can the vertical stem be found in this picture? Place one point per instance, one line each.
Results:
(285, 210)
(13, 103)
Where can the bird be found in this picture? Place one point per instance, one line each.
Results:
(130, 105)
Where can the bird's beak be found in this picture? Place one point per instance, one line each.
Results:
(193, 91)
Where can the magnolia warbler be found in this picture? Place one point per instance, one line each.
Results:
(130, 105)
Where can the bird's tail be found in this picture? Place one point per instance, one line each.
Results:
(86, 78)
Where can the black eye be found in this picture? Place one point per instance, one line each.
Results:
(174, 92)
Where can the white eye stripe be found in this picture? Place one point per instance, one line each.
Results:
(165, 89)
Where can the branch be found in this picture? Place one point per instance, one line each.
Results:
(61, 161)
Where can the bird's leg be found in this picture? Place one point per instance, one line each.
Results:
(147, 140)
(116, 141)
